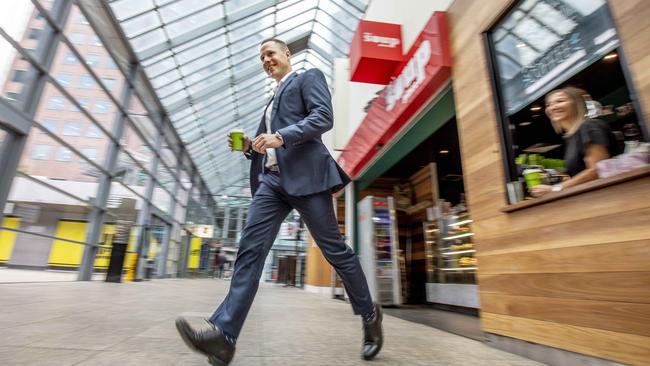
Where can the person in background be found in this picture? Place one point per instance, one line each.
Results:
(587, 141)
(217, 264)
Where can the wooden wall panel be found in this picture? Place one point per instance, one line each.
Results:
(631, 225)
(574, 273)
(620, 286)
(629, 348)
(612, 257)
(632, 19)
(613, 201)
(614, 316)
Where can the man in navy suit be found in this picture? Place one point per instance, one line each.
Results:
(290, 169)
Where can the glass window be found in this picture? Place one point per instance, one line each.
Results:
(109, 83)
(50, 125)
(12, 95)
(96, 41)
(69, 58)
(63, 154)
(94, 131)
(81, 19)
(72, 129)
(77, 38)
(90, 153)
(93, 59)
(64, 79)
(41, 152)
(34, 33)
(541, 40)
(86, 82)
(110, 64)
(56, 103)
(102, 106)
(19, 76)
(83, 101)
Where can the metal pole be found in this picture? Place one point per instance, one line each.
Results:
(96, 217)
(164, 250)
(143, 215)
(226, 222)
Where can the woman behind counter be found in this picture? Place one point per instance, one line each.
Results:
(587, 141)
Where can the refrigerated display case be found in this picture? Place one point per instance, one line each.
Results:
(451, 261)
(378, 248)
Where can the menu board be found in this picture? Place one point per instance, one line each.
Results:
(541, 43)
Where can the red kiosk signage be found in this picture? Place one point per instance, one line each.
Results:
(375, 52)
(425, 69)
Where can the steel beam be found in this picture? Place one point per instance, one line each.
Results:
(98, 213)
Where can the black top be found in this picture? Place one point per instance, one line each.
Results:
(592, 131)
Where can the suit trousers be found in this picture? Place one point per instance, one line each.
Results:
(270, 206)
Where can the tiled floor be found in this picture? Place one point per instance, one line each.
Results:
(97, 323)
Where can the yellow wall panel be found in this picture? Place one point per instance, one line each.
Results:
(63, 253)
(195, 253)
(105, 247)
(8, 238)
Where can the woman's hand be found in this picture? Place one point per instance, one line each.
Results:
(540, 190)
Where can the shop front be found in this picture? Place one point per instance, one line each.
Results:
(562, 253)
(414, 234)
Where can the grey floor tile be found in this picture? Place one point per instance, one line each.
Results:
(95, 323)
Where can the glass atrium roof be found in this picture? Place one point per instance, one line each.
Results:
(201, 57)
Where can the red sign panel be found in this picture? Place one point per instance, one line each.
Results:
(375, 52)
(425, 69)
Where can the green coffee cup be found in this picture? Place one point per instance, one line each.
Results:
(237, 137)
(533, 177)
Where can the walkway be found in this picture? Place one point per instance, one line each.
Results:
(97, 323)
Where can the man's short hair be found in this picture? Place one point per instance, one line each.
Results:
(279, 42)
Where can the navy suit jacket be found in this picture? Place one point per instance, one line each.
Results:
(302, 112)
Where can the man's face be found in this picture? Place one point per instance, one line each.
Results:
(275, 61)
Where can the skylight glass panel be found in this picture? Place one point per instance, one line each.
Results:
(299, 20)
(181, 8)
(141, 24)
(125, 9)
(146, 40)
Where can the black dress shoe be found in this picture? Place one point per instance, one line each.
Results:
(210, 342)
(373, 336)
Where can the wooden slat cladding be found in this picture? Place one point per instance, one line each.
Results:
(621, 286)
(632, 19)
(611, 257)
(631, 225)
(574, 273)
(614, 316)
(623, 347)
(611, 201)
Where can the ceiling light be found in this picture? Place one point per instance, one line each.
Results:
(611, 56)
(444, 151)
(535, 108)
(524, 124)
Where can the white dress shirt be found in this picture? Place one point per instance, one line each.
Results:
(271, 158)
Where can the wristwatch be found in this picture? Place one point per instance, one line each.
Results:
(277, 134)
(556, 187)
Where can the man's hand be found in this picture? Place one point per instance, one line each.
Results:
(265, 141)
(247, 143)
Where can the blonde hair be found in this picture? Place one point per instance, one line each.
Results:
(576, 96)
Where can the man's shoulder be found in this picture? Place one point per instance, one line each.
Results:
(311, 73)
